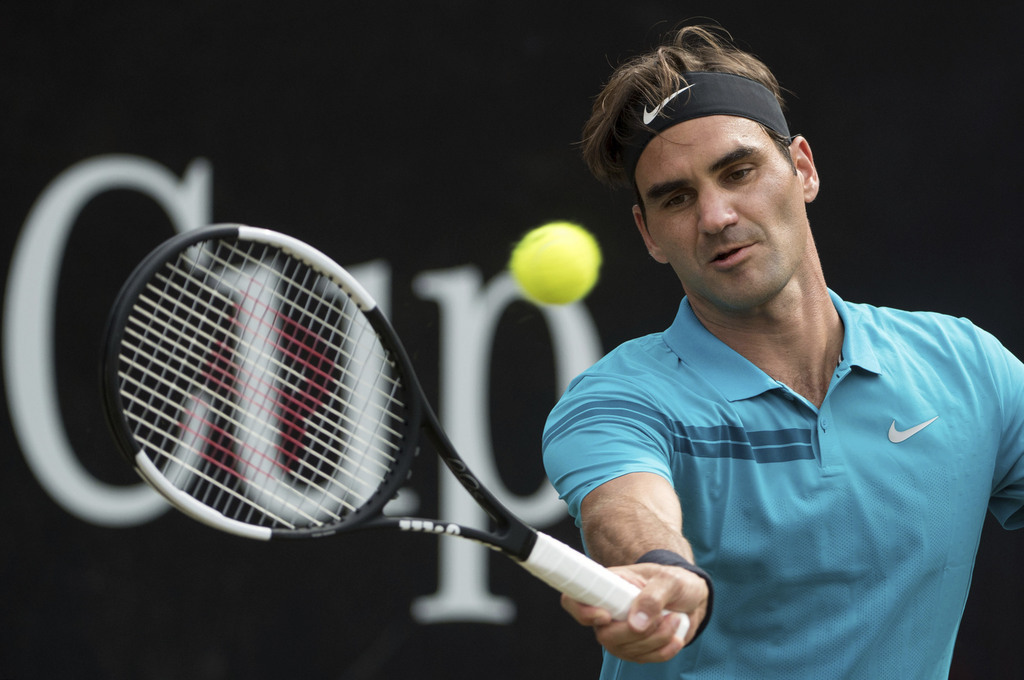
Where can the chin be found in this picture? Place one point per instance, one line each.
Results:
(738, 298)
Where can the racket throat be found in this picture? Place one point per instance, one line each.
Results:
(517, 540)
(512, 538)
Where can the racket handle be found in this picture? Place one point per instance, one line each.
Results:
(581, 578)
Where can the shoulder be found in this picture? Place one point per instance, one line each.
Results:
(891, 318)
(944, 345)
(637, 398)
(647, 352)
(644, 375)
(920, 330)
(625, 379)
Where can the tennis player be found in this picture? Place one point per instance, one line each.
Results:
(805, 478)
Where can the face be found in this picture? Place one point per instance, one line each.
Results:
(725, 209)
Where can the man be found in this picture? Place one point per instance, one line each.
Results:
(804, 478)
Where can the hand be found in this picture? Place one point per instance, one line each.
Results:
(648, 635)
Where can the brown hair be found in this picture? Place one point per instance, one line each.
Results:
(647, 80)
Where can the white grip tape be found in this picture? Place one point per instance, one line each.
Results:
(583, 579)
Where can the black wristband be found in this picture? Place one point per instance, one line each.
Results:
(672, 559)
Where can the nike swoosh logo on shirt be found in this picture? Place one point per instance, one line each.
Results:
(897, 436)
(650, 115)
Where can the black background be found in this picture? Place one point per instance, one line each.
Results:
(432, 135)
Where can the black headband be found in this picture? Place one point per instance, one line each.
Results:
(706, 94)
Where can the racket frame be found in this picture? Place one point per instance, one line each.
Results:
(509, 534)
(550, 560)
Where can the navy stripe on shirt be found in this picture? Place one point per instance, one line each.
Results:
(715, 441)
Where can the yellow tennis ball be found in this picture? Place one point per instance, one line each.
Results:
(557, 263)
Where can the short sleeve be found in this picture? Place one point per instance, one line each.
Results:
(601, 429)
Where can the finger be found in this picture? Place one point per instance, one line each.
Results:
(669, 588)
(663, 644)
(660, 644)
(647, 610)
(585, 614)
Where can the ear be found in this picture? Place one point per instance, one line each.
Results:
(803, 160)
(652, 247)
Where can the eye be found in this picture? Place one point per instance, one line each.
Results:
(678, 199)
(739, 174)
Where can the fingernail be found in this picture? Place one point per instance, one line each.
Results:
(639, 620)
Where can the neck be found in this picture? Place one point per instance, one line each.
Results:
(796, 339)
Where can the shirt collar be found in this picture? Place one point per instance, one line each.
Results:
(857, 349)
(732, 373)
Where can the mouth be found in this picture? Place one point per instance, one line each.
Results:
(729, 256)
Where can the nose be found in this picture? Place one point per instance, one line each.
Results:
(716, 210)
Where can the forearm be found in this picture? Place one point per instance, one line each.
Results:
(629, 516)
(634, 532)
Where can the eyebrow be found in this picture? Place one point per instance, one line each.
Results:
(656, 191)
(737, 154)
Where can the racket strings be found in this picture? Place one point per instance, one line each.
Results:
(279, 391)
(261, 386)
(222, 370)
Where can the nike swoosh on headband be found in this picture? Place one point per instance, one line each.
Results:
(719, 94)
(651, 115)
(897, 436)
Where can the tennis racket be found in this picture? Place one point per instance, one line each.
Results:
(256, 385)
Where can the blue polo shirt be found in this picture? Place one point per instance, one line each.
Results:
(841, 539)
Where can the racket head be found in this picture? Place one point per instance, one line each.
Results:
(245, 376)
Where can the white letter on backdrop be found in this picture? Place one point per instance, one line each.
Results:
(29, 309)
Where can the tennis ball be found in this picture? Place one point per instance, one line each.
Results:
(556, 264)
